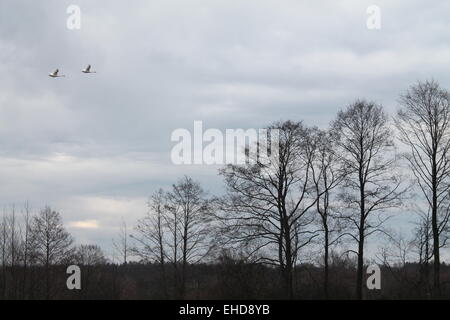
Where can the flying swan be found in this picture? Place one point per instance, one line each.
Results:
(88, 70)
(54, 74)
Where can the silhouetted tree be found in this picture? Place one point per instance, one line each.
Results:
(364, 141)
(268, 202)
(121, 244)
(327, 174)
(187, 219)
(424, 126)
(151, 232)
(50, 242)
(423, 245)
(26, 245)
(89, 255)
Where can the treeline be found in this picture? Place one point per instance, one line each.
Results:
(34, 248)
(295, 225)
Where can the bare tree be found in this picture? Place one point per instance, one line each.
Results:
(394, 256)
(121, 245)
(4, 236)
(398, 250)
(175, 230)
(89, 255)
(424, 126)
(150, 234)
(327, 173)
(364, 141)
(268, 202)
(423, 246)
(10, 244)
(150, 230)
(26, 244)
(187, 219)
(51, 243)
(92, 259)
(14, 248)
(13, 237)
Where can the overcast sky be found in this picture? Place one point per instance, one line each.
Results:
(95, 146)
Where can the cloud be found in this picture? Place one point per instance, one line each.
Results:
(86, 224)
(95, 147)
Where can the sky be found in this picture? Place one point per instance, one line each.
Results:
(94, 147)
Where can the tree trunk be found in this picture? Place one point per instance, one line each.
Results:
(183, 271)
(289, 263)
(434, 226)
(359, 272)
(326, 271)
(183, 280)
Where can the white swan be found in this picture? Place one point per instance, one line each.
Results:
(88, 70)
(54, 74)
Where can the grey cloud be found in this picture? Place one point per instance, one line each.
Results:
(163, 64)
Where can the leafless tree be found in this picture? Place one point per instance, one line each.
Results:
(424, 126)
(10, 244)
(89, 255)
(15, 249)
(4, 235)
(175, 230)
(150, 231)
(13, 237)
(268, 202)
(423, 245)
(150, 234)
(50, 241)
(398, 250)
(187, 219)
(92, 259)
(26, 244)
(121, 244)
(394, 255)
(364, 142)
(327, 173)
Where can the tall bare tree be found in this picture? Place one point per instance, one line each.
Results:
(187, 219)
(364, 142)
(121, 244)
(423, 245)
(150, 234)
(424, 126)
(175, 230)
(268, 202)
(150, 230)
(327, 173)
